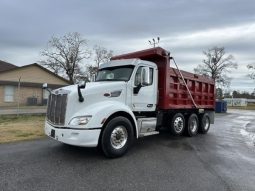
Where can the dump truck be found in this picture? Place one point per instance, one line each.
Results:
(134, 95)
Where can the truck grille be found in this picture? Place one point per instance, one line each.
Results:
(56, 109)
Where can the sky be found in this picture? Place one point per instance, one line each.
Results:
(186, 29)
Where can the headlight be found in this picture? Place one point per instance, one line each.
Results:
(80, 120)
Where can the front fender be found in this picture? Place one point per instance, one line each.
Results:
(103, 110)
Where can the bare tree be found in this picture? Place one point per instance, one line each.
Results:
(217, 65)
(251, 67)
(219, 93)
(63, 55)
(101, 55)
(91, 70)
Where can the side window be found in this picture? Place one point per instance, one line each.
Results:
(138, 76)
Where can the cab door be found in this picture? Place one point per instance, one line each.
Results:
(145, 89)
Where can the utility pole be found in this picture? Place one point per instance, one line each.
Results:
(18, 95)
(154, 42)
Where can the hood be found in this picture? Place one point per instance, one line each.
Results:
(94, 93)
(103, 87)
(94, 88)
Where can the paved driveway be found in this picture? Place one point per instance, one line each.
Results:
(224, 159)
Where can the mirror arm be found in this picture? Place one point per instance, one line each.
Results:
(81, 98)
(48, 90)
(45, 87)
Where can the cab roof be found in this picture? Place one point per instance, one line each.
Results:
(124, 62)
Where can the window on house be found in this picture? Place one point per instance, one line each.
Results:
(9, 93)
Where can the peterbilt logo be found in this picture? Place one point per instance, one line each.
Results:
(60, 92)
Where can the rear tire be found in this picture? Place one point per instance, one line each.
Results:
(192, 125)
(177, 124)
(204, 124)
(117, 137)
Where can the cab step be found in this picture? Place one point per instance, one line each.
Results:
(147, 126)
(148, 133)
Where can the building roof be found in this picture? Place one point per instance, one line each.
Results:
(14, 68)
(4, 66)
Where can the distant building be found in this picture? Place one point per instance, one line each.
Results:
(236, 101)
(24, 84)
(251, 101)
(4, 66)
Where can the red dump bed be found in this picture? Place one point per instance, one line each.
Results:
(173, 93)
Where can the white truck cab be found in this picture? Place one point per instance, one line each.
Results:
(104, 113)
(134, 95)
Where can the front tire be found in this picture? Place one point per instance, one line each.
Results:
(177, 124)
(117, 137)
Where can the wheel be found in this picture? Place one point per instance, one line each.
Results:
(117, 137)
(204, 124)
(192, 125)
(177, 124)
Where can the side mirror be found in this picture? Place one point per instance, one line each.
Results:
(45, 86)
(80, 86)
(145, 80)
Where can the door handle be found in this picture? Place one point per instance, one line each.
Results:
(149, 105)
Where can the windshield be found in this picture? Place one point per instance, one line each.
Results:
(118, 73)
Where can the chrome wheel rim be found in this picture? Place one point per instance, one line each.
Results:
(119, 137)
(193, 125)
(206, 122)
(178, 124)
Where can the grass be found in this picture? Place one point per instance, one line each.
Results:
(24, 127)
(24, 107)
(248, 107)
